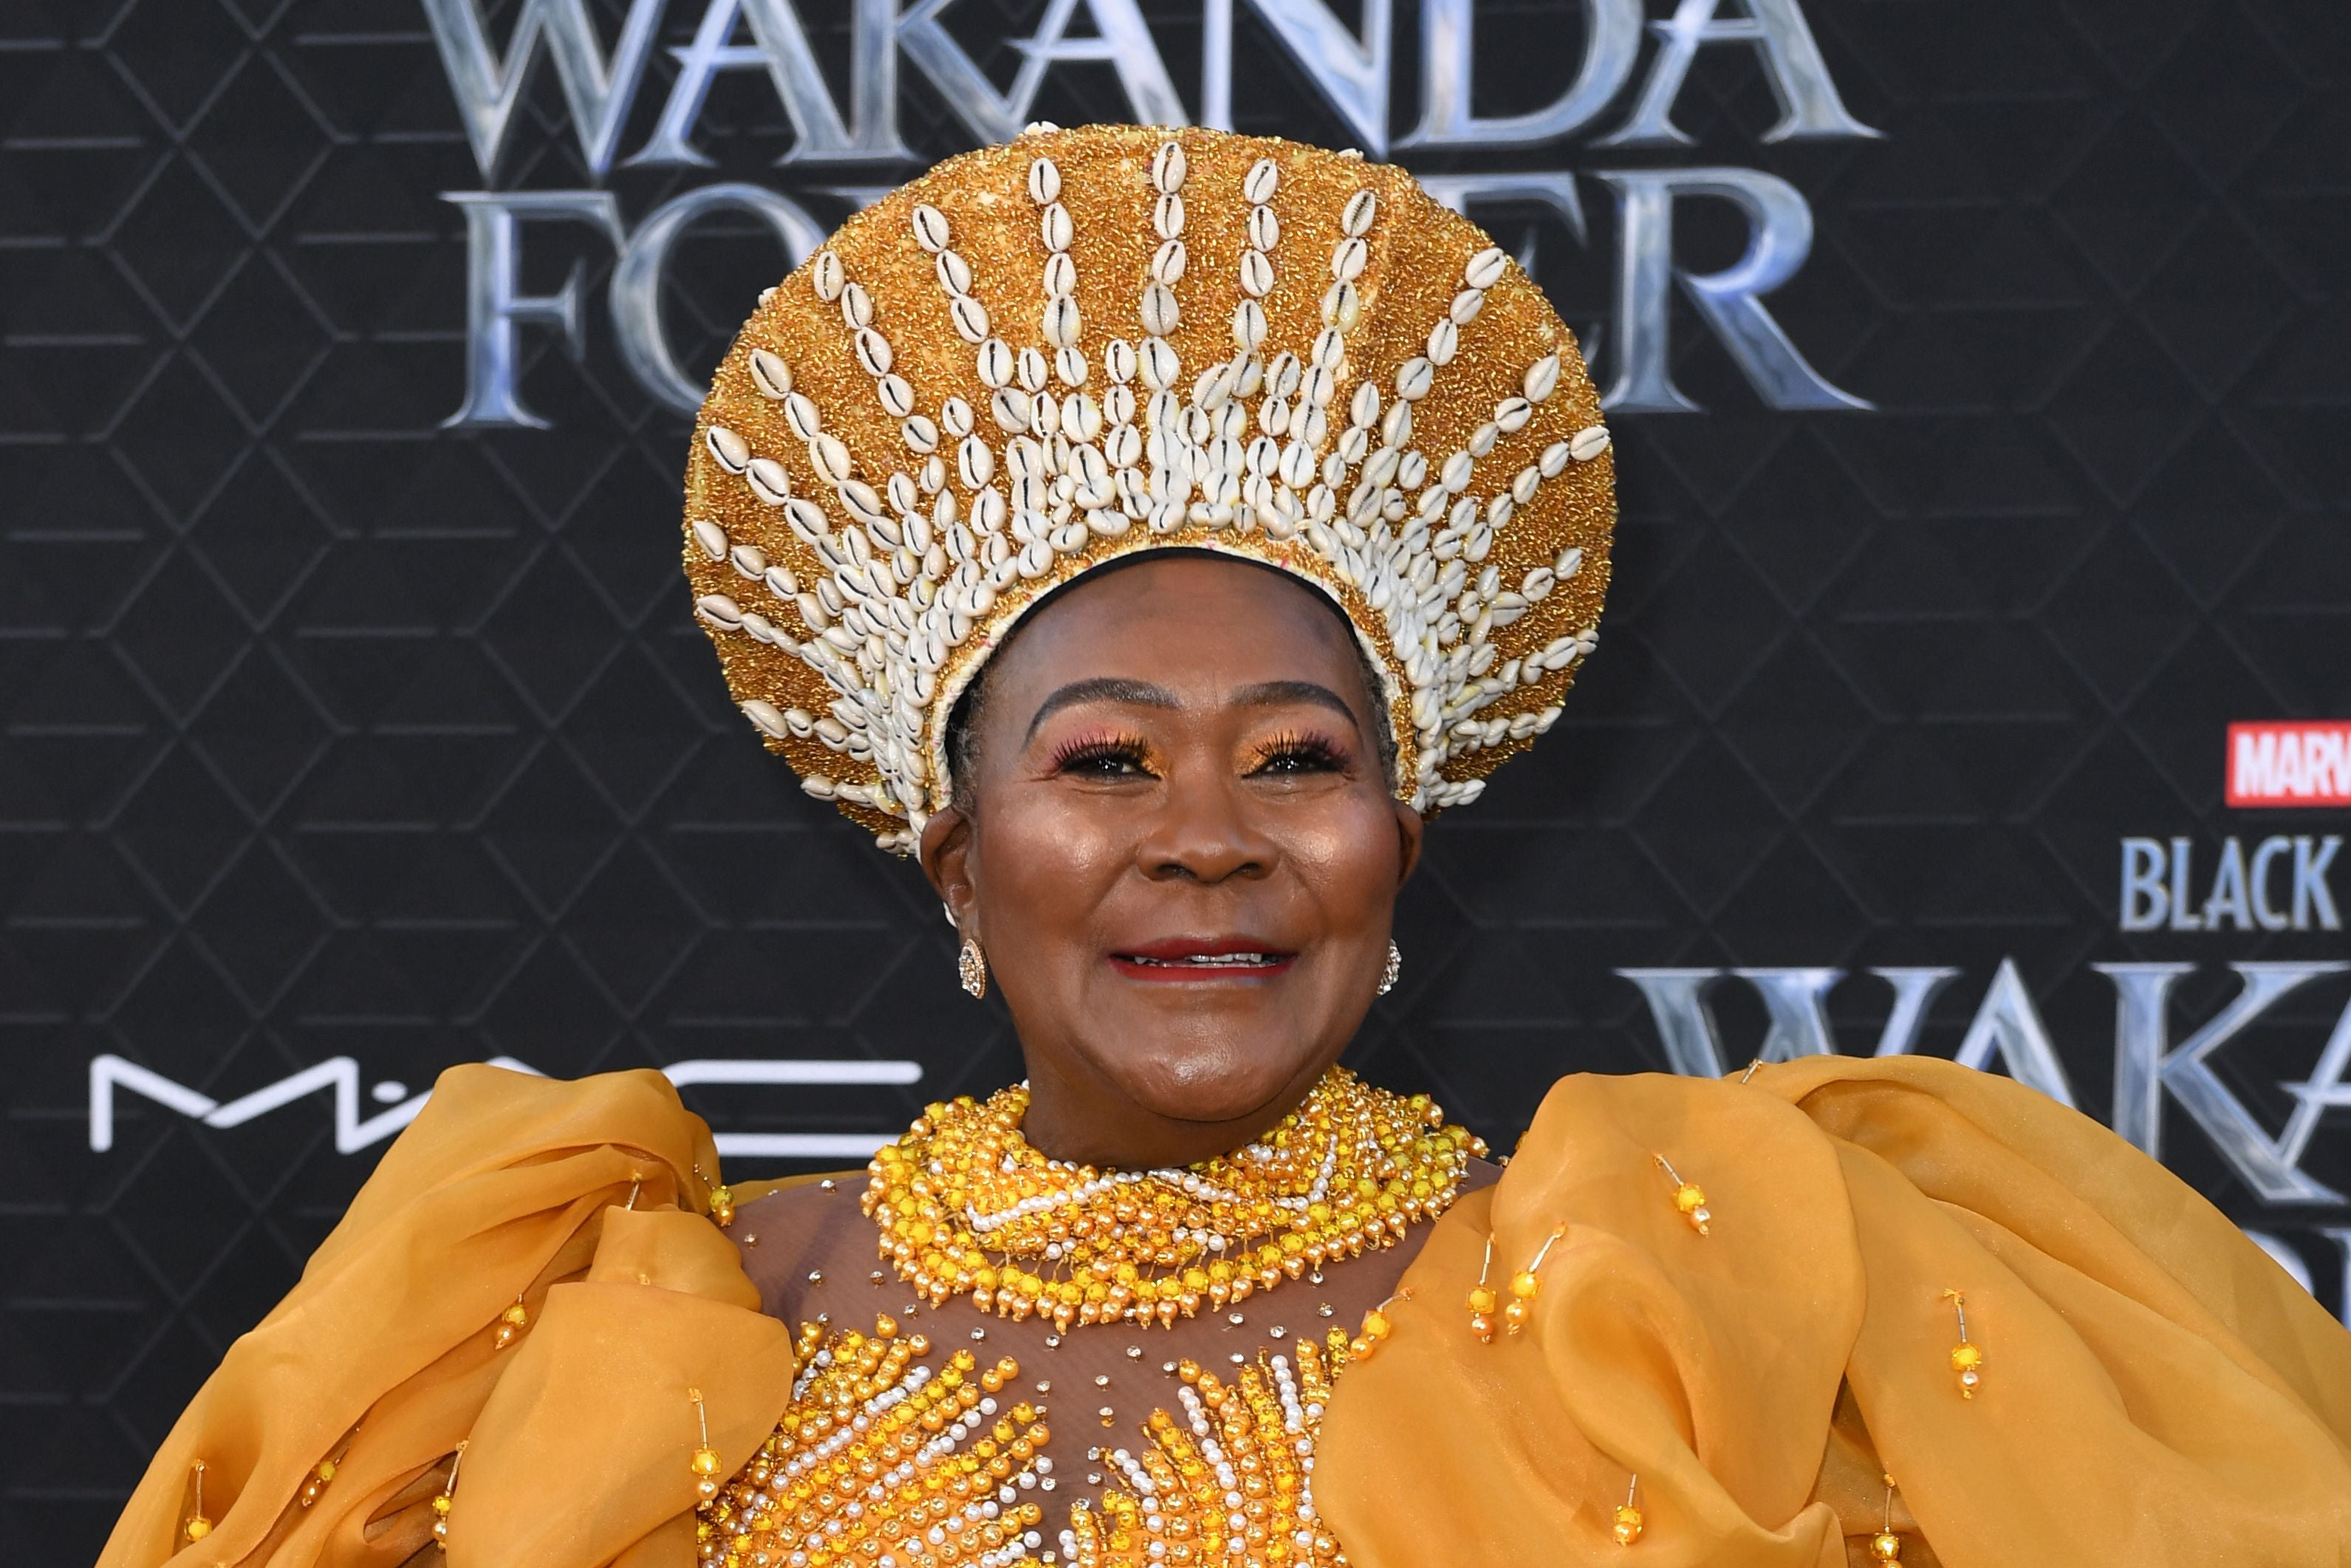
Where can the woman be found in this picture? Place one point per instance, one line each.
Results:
(1156, 640)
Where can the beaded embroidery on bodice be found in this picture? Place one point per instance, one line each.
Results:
(893, 1456)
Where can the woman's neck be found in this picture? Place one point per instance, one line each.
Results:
(1085, 1120)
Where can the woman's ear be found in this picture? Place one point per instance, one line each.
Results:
(1409, 827)
(945, 853)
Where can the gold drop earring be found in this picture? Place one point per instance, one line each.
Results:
(971, 964)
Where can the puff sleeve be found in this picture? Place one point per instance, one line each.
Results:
(385, 1357)
(2155, 1391)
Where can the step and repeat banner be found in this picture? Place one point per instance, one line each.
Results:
(1977, 681)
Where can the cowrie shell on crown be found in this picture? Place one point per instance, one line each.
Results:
(1040, 358)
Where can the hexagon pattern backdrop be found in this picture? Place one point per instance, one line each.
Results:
(340, 746)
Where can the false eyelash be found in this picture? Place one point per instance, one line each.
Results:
(1100, 748)
(1303, 746)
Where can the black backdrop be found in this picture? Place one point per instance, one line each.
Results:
(335, 737)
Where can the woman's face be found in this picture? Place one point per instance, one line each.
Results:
(1181, 857)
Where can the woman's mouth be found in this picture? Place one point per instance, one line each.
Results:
(1181, 958)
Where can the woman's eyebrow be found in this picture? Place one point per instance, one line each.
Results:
(1274, 694)
(1102, 689)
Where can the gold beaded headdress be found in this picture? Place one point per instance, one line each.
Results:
(1041, 356)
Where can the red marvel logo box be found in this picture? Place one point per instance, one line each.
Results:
(2290, 762)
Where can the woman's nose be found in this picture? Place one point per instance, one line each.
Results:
(1205, 831)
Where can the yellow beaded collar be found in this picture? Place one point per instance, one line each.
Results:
(967, 1206)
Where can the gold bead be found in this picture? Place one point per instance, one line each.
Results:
(1376, 1324)
(705, 1462)
(1481, 1299)
(1628, 1524)
(1524, 1285)
(1966, 1358)
(1885, 1546)
(1689, 1197)
(197, 1528)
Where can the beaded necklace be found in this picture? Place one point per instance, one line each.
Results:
(966, 1205)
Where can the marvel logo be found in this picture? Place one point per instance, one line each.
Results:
(2305, 762)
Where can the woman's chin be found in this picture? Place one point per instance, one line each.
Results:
(1213, 1085)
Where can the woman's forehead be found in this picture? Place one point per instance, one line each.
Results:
(1188, 623)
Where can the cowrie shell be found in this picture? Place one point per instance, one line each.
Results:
(1348, 261)
(1168, 262)
(856, 305)
(873, 351)
(1044, 182)
(1588, 443)
(802, 417)
(1413, 378)
(1261, 181)
(1057, 228)
(1264, 228)
(1061, 322)
(930, 227)
(1356, 216)
(1542, 377)
(769, 481)
(1256, 274)
(731, 450)
(828, 275)
(1444, 342)
(955, 272)
(711, 538)
(768, 718)
(1167, 215)
(770, 374)
(969, 317)
(720, 611)
(830, 454)
(1167, 167)
(1160, 312)
(1485, 268)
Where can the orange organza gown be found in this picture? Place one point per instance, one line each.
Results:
(2155, 1391)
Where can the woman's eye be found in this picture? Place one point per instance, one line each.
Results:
(1105, 762)
(1298, 759)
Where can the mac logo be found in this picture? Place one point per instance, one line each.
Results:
(341, 1074)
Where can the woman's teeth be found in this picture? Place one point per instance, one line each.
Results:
(1205, 961)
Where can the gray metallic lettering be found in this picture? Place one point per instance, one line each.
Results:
(779, 44)
(1125, 42)
(597, 92)
(1914, 991)
(494, 304)
(1351, 69)
(2007, 1022)
(1729, 301)
(636, 282)
(1792, 1000)
(1809, 104)
(1612, 44)
(2146, 1065)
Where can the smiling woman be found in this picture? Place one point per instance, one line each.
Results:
(1161, 679)
(1177, 846)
